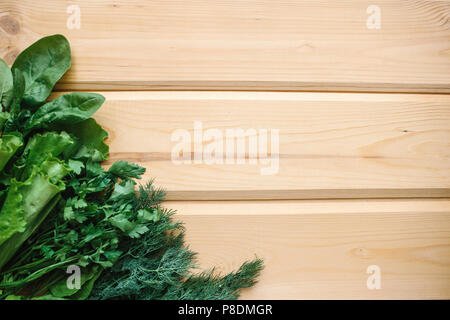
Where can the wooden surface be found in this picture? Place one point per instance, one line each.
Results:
(322, 249)
(330, 145)
(364, 171)
(242, 45)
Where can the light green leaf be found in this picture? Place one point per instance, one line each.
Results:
(25, 204)
(153, 214)
(9, 144)
(123, 190)
(76, 166)
(12, 244)
(40, 146)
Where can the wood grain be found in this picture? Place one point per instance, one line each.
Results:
(330, 145)
(241, 45)
(321, 249)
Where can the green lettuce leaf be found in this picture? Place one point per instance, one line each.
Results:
(12, 244)
(40, 146)
(25, 201)
(9, 144)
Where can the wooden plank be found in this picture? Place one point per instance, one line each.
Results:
(322, 249)
(330, 145)
(241, 45)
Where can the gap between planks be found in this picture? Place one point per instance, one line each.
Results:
(308, 207)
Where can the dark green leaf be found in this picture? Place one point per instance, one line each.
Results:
(6, 86)
(68, 109)
(125, 169)
(90, 141)
(42, 65)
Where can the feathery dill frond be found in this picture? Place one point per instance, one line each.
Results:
(158, 265)
(209, 286)
(149, 195)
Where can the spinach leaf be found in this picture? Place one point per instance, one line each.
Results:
(6, 85)
(68, 109)
(42, 65)
(18, 91)
(89, 141)
(13, 123)
(61, 290)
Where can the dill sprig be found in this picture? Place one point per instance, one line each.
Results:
(158, 266)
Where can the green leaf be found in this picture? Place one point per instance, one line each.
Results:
(9, 144)
(137, 231)
(68, 109)
(61, 290)
(46, 297)
(42, 65)
(76, 166)
(47, 252)
(4, 116)
(18, 92)
(86, 289)
(12, 215)
(12, 244)
(148, 214)
(40, 146)
(125, 169)
(13, 123)
(25, 204)
(6, 85)
(94, 169)
(26, 199)
(134, 230)
(13, 297)
(90, 141)
(123, 190)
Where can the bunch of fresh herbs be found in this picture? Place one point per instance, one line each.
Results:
(60, 208)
